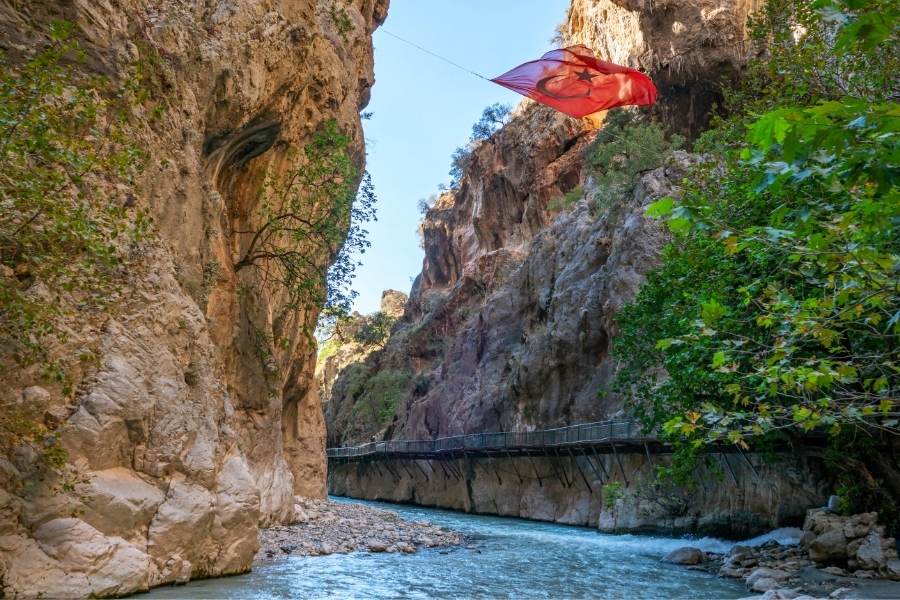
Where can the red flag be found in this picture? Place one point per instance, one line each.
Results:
(573, 81)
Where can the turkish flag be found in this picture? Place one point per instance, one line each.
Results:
(573, 81)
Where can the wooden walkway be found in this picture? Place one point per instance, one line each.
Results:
(605, 437)
(564, 445)
(575, 444)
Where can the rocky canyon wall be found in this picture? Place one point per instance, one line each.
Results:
(510, 322)
(195, 419)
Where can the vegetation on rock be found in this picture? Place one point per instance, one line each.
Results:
(311, 226)
(624, 149)
(776, 308)
(492, 118)
(65, 242)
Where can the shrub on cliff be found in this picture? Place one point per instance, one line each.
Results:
(623, 150)
(492, 119)
(777, 306)
(379, 399)
(65, 237)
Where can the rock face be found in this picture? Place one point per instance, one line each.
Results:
(688, 47)
(856, 543)
(189, 427)
(527, 347)
(848, 550)
(509, 325)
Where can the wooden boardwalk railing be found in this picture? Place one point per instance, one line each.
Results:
(627, 434)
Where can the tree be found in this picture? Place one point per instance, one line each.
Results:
(425, 204)
(777, 308)
(311, 226)
(374, 330)
(492, 119)
(458, 164)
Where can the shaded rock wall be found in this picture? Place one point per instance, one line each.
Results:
(570, 490)
(190, 426)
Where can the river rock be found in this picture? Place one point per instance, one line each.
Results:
(331, 527)
(764, 579)
(892, 569)
(830, 546)
(739, 552)
(870, 555)
(685, 556)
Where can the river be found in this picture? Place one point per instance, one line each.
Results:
(506, 558)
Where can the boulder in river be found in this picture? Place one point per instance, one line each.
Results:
(830, 546)
(687, 555)
(764, 579)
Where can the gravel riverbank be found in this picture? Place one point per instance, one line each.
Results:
(326, 527)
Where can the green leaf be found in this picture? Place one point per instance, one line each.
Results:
(660, 208)
(679, 225)
(718, 360)
(664, 343)
(712, 311)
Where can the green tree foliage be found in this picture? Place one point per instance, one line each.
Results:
(311, 226)
(567, 200)
(458, 163)
(374, 330)
(623, 150)
(383, 393)
(776, 308)
(64, 239)
(56, 228)
(492, 118)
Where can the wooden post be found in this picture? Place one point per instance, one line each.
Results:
(515, 468)
(594, 468)
(619, 460)
(749, 464)
(554, 464)
(393, 472)
(600, 462)
(577, 466)
(534, 467)
(647, 450)
(730, 470)
(424, 474)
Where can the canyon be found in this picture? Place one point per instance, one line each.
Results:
(194, 411)
(509, 325)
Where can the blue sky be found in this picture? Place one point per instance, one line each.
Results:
(424, 108)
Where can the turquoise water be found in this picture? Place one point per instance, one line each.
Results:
(508, 558)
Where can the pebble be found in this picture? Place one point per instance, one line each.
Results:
(323, 527)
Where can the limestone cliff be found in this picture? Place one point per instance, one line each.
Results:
(190, 426)
(509, 325)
